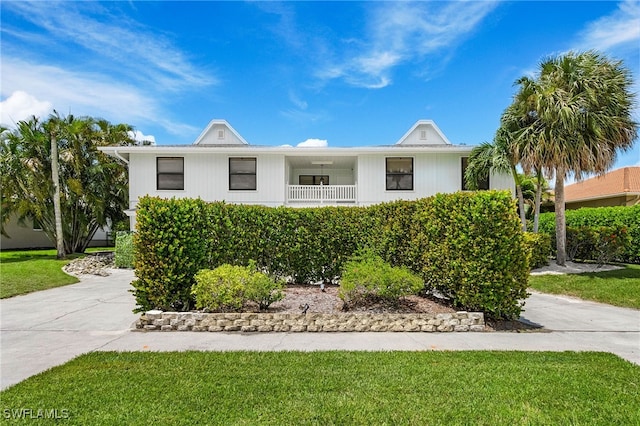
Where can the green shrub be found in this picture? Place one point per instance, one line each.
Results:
(539, 246)
(474, 251)
(229, 288)
(601, 244)
(171, 246)
(619, 217)
(468, 246)
(369, 277)
(124, 251)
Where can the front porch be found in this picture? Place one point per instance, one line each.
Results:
(321, 180)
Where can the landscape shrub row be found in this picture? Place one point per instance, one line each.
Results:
(467, 246)
(601, 244)
(615, 217)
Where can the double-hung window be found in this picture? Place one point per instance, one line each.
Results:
(170, 173)
(242, 174)
(399, 173)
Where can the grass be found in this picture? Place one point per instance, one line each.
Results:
(620, 287)
(25, 271)
(249, 388)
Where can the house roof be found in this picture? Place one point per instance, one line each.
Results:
(210, 141)
(624, 181)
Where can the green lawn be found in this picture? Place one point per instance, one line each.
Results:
(620, 287)
(33, 270)
(249, 388)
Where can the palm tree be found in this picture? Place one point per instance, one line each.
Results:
(574, 117)
(496, 157)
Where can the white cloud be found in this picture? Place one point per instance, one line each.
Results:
(400, 32)
(125, 44)
(313, 143)
(141, 137)
(85, 94)
(21, 106)
(620, 29)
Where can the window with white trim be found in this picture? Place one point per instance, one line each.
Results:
(399, 172)
(170, 173)
(242, 174)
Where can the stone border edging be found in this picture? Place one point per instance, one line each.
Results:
(311, 322)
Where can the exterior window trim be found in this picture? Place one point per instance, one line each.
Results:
(254, 174)
(388, 174)
(158, 173)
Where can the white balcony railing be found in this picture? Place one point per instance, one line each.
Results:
(321, 193)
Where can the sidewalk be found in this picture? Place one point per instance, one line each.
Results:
(44, 329)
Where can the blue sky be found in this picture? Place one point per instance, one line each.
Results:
(350, 73)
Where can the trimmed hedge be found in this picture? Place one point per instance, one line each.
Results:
(539, 246)
(601, 244)
(617, 217)
(474, 251)
(467, 246)
(172, 244)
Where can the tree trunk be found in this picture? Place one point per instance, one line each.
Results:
(561, 228)
(538, 201)
(57, 211)
(520, 196)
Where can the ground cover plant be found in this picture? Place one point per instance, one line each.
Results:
(480, 388)
(619, 287)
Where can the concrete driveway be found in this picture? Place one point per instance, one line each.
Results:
(44, 329)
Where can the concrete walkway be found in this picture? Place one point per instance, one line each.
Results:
(47, 328)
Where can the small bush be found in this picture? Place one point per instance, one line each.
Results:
(369, 277)
(124, 250)
(228, 288)
(539, 246)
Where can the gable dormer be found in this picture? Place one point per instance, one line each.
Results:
(424, 132)
(219, 132)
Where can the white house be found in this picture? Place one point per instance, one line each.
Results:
(221, 165)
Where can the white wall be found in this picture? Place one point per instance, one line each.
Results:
(23, 237)
(432, 136)
(432, 173)
(207, 176)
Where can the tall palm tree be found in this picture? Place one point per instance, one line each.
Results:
(574, 118)
(496, 157)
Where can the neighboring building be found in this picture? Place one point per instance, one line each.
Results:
(620, 187)
(31, 236)
(221, 166)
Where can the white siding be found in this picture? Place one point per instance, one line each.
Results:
(432, 136)
(220, 134)
(432, 173)
(502, 181)
(207, 176)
